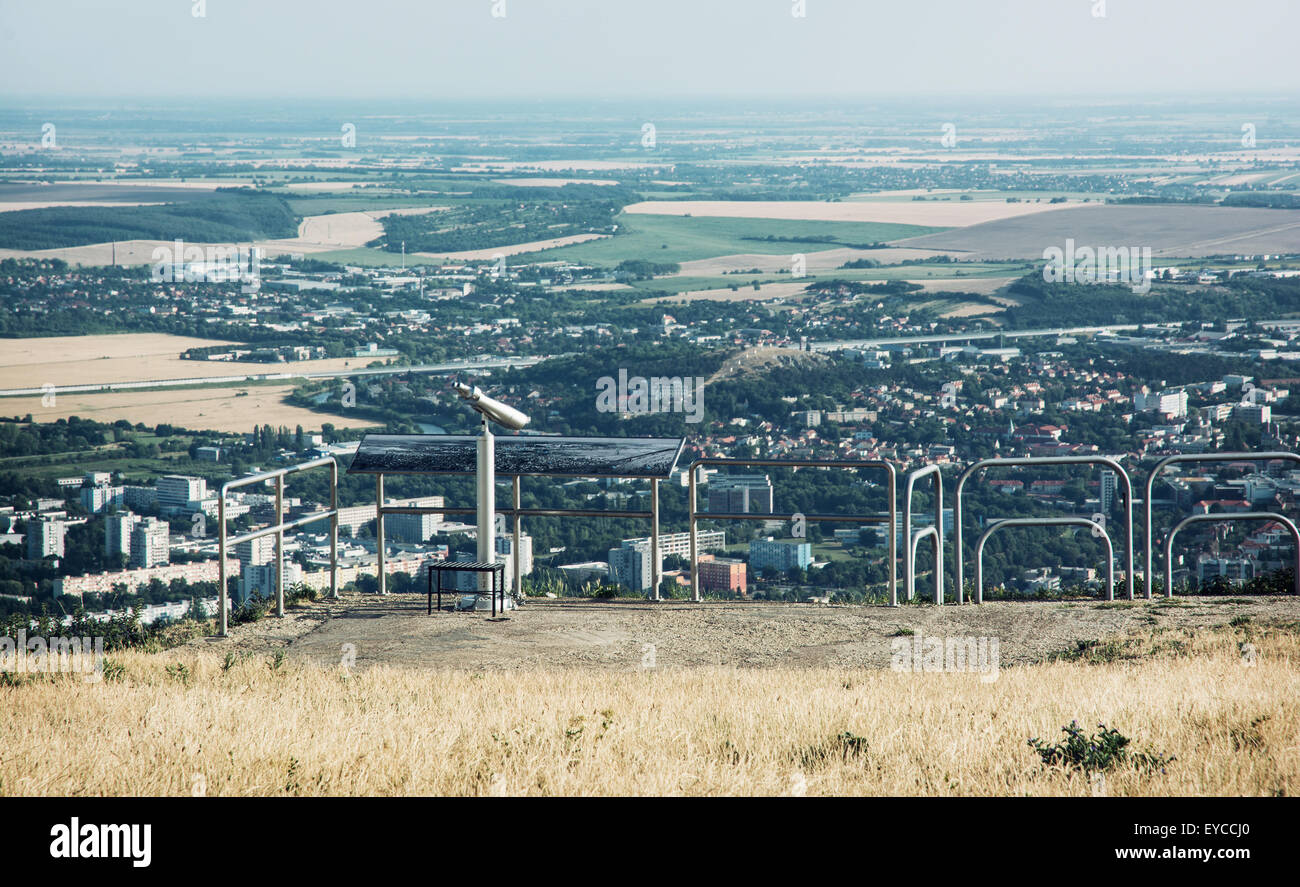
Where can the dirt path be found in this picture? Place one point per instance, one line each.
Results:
(620, 635)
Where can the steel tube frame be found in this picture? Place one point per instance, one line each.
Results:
(223, 541)
(517, 580)
(910, 561)
(656, 568)
(1182, 458)
(912, 542)
(1228, 518)
(890, 472)
(1030, 461)
(380, 576)
(1045, 522)
(279, 545)
(516, 512)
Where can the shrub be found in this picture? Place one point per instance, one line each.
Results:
(1102, 751)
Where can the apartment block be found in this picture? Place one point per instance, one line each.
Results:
(149, 543)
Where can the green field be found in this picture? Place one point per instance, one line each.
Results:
(682, 239)
(683, 284)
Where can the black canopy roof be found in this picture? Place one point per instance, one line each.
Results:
(523, 454)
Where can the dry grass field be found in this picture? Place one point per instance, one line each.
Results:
(128, 357)
(323, 233)
(1180, 231)
(479, 255)
(744, 293)
(235, 408)
(334, 231)
(198, 721)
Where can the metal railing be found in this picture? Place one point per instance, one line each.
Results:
(1030, 461)
(890, 472)
(1183, 458)
(912, 541)
(517, 513)
(223, 603)
(1044, 522)
(1226, 518)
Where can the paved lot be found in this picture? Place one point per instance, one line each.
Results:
(619, 635)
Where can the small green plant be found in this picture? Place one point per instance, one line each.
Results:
(251, 610)
(902, 633)
(1099, 752)
(180, 672)
(277, 661)
(1095, 652)
(230, 661)
(1239, 621)
(113, 670)
(844, 746)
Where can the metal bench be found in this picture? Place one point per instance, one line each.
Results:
(498, 572)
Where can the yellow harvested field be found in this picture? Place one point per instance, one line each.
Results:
(745, 293)
(600, 287)
(490, 165)
(943, 214)
(250, 726)
(471, 255)
(130, 357)
(982, 285)
(553, 183)
(126, 252)
(334, 231)
(971, 309)
(236, 409)
(47, 204)
(316, 234)
(308, 187)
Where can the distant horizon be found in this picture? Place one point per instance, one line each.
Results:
(529, 50)
(691, 99)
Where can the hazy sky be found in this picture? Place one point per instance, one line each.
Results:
(452, 49)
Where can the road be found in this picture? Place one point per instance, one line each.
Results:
(968, 336)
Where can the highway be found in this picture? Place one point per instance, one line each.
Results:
(455, 366)
(968, 337)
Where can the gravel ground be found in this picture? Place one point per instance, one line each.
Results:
(621, 635)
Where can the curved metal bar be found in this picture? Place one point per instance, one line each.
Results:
(1149, 531)
(1227, 518)
(1105, 461)
(891, 473)
(911, 541)
(913, 544)
(1045, 522)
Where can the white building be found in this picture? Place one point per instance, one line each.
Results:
(149, 543)
(1171, 403)
(505, 553)
(1254, 413)
(117, 533)
(680, 543)
(178, 491)
(45, 538)
(413, 527)
(1109, 486)
(97, 498)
